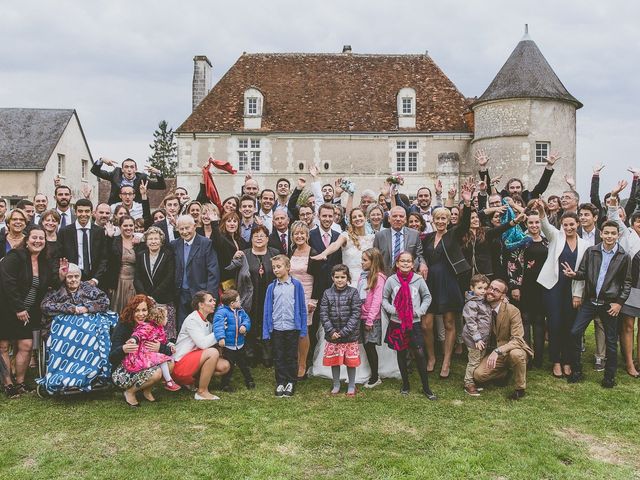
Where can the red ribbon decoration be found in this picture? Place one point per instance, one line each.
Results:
(209, 185)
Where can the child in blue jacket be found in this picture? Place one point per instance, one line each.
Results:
(230, 326)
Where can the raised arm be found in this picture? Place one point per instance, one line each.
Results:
(545, 178)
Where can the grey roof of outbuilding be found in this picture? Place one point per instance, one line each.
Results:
(527, 74)
(29, 135)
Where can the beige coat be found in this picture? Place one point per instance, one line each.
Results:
(509, 331)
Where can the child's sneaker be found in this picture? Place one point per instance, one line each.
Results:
(280, 391)
(288, 390)
(171, 386)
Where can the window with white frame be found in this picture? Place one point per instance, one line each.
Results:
(61, 165)
(407, 155)
(407, 106)
(252, 102)
(542, 152)
(249, 154)
(85, 169)
(252, 106)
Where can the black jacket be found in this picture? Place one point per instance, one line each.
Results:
(451, 242)
(274, 242)
(340, 312)
(617, 281)
(16, 276)
(159, 282)
(526, 195)
(68, 240)
(115, 177)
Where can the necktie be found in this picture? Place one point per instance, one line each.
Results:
(325, 239)
(396, 246)
(187, 250)
(492, 338)
(86, 258)
(63, 220)
(283, 241)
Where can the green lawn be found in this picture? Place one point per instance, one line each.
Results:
(556, 431)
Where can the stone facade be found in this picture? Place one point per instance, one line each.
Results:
(201, 79)
(508, 130)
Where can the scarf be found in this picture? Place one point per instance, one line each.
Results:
(513, 238)
(209, 185)
(403, 302)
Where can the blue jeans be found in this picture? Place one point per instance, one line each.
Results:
(587, 312)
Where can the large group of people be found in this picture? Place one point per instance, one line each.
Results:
(306, 282)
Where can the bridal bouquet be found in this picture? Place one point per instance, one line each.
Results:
(395, 179)
(348, 186)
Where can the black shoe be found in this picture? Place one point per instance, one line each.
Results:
(430, 395)
(288, 390)
(11, 391)
(280, 391)
(404, 390)
(575, 377)
(608, 383)
(517, 394)
(302, 378)
(251, 385)
(228, 389)
(24, 388)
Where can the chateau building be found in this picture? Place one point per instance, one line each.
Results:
(364, 116)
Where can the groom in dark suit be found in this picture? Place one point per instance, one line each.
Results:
(85, 244)
(397, 239)
(196, 267)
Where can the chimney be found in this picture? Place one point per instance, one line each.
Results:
(346, 49)
(201, 79)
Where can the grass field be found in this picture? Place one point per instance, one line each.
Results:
(557, 431)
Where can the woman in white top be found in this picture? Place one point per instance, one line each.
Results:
(195, 355)
(562, 296)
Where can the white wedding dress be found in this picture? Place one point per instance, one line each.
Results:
(387, 360)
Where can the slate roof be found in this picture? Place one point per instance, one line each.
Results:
(527, 74)
(331, 93)
(29, 135)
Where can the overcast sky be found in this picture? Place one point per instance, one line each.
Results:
(124, 66)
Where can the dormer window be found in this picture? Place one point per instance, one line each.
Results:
(406, 104)
(252, 109)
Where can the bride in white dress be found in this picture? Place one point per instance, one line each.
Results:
(353, 242)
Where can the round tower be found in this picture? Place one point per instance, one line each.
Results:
(525, 114)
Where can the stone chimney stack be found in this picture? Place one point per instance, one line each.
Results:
(201, 79)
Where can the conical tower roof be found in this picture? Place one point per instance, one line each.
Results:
(527, 74)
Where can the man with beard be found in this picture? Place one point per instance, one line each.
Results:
(62, 195)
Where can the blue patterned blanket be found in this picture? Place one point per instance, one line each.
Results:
(78, 352)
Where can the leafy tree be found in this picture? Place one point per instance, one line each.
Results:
(164, 150)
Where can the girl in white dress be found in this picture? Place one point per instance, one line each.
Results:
(353, 242)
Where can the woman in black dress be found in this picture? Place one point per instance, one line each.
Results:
(258, 259)
(441, 251)
(24, 277)
(523, 267)
(226, 242)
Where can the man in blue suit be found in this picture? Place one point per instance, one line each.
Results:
(196, 267)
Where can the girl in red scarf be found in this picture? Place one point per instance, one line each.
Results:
(405, 300)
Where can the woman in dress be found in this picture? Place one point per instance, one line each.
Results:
(135, 312)
(446, 262)
(303, 268)
(122, 265)
(13, 235)
(260, 274)
(155, 275)
(226, 242)
(523, 267)
(564, 246)
(24, 277)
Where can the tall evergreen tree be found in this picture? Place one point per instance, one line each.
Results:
(164, 150)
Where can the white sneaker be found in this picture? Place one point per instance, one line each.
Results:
(288, 390)
(280, 391)
(372, 385)
(197, 396)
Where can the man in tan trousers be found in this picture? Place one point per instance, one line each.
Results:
(508, 350)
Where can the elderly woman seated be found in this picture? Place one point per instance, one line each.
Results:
(74, 296)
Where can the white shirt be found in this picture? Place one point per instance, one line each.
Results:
(286, 238)
(195, 333)
(135, 211)
(589, 237)
(170, 231)
(267, 219)
(64, 214)
(80, 237)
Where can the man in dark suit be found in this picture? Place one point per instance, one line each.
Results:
(280, 237)
(196, 267)
(85, 244)
(171, 205)
(127, 175)
(62, 194)
(397, 239)
(319, 239)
